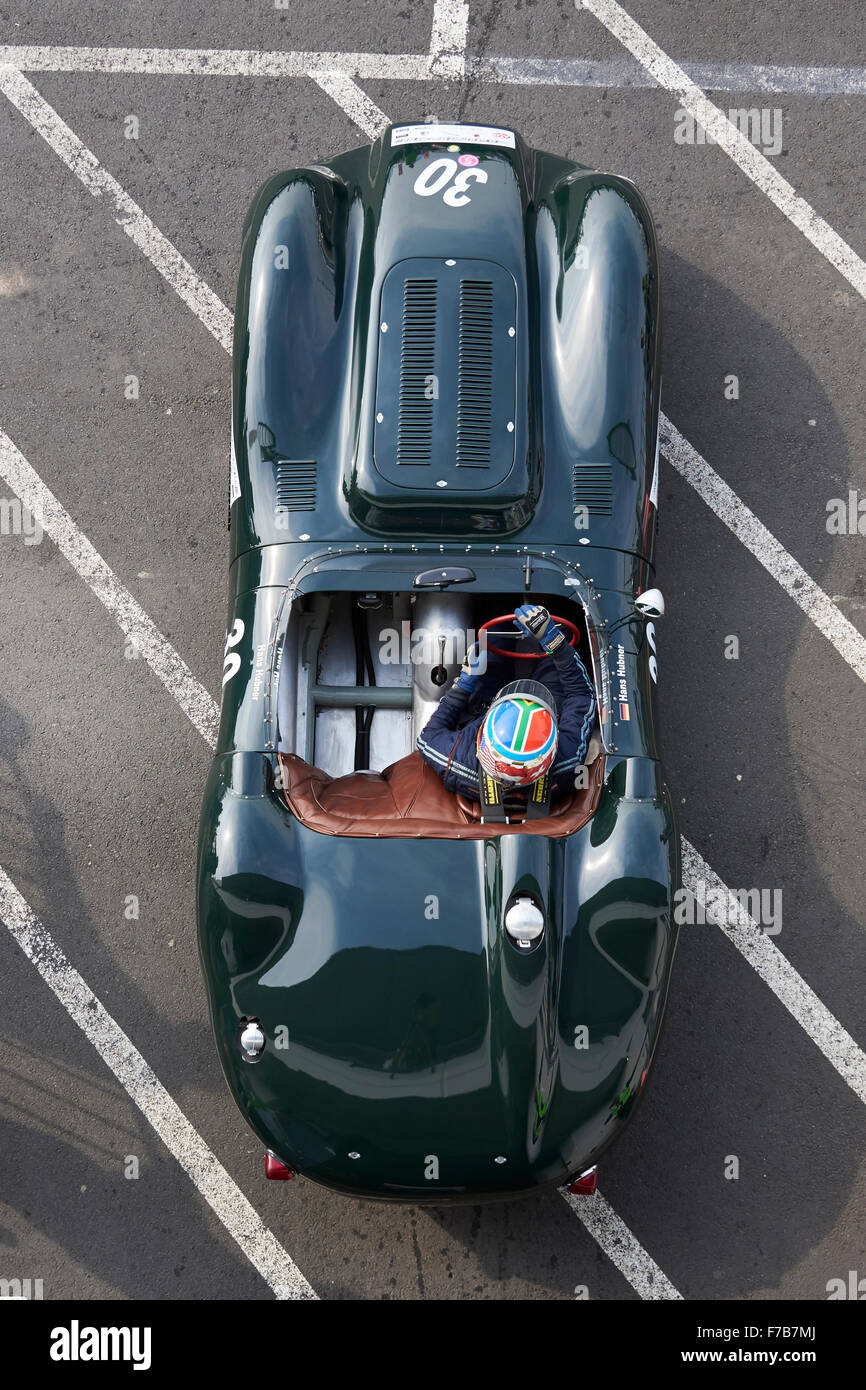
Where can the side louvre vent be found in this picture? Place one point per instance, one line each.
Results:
(296, 485)
(474, 373)
(417, 366)
(592, 487)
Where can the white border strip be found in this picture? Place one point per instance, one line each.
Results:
(143, 1086)
(757, 78)
(441, 61)
(160, 655)
(216, 62)
(742, 522)
(744, 154)
(86, 167)
(622, 1248)
(776, 970)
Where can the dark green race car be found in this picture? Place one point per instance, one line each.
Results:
(446, 396)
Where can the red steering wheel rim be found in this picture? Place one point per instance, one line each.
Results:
(518, 632)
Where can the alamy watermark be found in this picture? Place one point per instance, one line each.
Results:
(851, 1288)
(846, 516)
(709, 904)
(761, 125)
(18, 520)
(21, 1288)
(77, 1343)
(420, 646)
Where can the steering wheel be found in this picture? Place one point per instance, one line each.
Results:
(518, 632)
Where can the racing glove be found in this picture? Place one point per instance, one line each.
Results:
(536, 621)
(473, 668)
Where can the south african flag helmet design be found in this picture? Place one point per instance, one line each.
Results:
(518, 735)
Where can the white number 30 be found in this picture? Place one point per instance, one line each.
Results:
(653, 664)
(232, 663)
(434, 178)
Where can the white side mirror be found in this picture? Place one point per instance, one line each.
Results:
(651, 603)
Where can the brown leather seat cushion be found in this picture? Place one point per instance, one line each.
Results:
(409, 799)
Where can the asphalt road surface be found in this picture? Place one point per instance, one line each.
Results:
(101, 771)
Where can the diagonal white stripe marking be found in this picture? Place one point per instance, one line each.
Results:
(356, 104)
(159, 654)
(815, 603)
(776, 970)
(171, 265)
(621, 1246)
(141, 1083)
(758, 168)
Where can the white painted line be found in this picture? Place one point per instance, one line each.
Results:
(144, 1087)
(214, 62)
(754, 164)
(621, 1247)
(356, 104)
(160, 655)
(85, 166)
(815, 603)
(615, 73)
(448, 38)
(519, 71)
(780, 78)
(776, 970)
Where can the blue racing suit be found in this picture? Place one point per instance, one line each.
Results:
(452, 750)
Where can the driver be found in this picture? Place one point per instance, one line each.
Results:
(522, 748)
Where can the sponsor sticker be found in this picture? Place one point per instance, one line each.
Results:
(447, 134)
(234, 478)
(621, 686)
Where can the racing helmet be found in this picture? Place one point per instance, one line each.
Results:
(518, 735)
